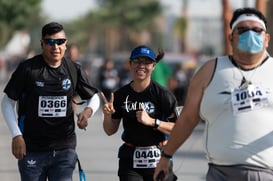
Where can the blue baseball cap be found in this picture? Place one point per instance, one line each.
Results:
(143, 51)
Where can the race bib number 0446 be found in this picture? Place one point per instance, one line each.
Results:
(146, 157)
(52, 106)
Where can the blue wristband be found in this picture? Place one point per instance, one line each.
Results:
(163, 154)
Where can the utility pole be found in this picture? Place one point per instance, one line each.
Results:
(269, 16)
(226, 19)
(261, 5)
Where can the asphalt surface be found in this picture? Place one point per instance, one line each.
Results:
(98, 153)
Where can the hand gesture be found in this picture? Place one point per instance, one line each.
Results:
(144, 118)
(108, 107)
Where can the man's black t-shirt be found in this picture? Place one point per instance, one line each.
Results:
(47, 122)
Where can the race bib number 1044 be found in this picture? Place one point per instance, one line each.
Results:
(251, 98)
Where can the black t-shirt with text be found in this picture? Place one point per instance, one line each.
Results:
(157, 101)
(47, 122)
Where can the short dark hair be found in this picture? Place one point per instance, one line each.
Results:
(51, 28)
(240, 11)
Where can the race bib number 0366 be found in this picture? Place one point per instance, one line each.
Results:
(52, 106)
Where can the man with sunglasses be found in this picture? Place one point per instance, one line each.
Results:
(233, 95)
(44, 139)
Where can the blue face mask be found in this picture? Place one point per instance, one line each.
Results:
(251, 42)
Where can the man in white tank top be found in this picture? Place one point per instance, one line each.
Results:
(233, 95)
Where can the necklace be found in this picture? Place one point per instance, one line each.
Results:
(246, 80)
(244, 83)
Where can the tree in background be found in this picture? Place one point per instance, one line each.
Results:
(119, 24)
(226, 15)
(17, 15)
(270, 24)
(261, 5)
(180, 27)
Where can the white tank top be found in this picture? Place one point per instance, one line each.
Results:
(239, 122)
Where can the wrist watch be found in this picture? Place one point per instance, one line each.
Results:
(157, 123)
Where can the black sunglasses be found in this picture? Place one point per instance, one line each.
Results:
(52, 42)
(242, 30)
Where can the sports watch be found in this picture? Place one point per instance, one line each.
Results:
(157, 123)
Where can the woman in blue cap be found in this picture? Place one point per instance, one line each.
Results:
(147, 111)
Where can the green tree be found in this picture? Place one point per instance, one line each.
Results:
(180, 28)
(115, 23)
(129, 16)
(17, 15)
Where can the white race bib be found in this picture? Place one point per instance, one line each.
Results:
(146, 157)
(247, 99)
(52, 106)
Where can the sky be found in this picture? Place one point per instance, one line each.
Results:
(66, 9)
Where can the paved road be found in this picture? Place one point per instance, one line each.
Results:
(98, 154)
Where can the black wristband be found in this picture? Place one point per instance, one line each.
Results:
(163, 154)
